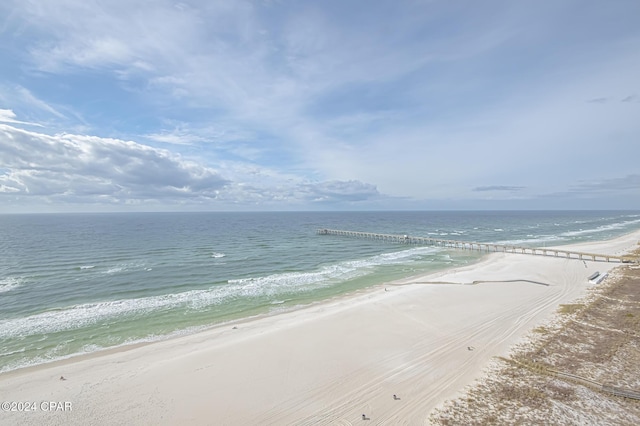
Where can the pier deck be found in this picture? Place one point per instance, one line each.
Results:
(489, 247)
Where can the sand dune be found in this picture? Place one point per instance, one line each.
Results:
(423, 339)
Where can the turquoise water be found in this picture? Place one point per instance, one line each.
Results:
(76, 283)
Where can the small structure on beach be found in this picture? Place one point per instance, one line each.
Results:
(598, 278)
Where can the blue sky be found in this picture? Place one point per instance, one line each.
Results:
(319, 105)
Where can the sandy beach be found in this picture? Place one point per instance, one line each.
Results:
(421, 339)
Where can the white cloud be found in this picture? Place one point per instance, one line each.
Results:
(39, 112)
(78, 169)
(8, 116)
(336, 191)
(30, 99)
(177, 137)
(76, 166)
(507, 188)
(617, 185)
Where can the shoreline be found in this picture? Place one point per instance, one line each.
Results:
(183, 333)
(322, 363)
(579, 367)
(180, 333)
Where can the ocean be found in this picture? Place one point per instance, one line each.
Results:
(72, 284)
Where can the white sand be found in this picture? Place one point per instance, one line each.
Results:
(325, 364)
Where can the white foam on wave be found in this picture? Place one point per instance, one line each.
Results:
(10, 283)
(543, 239)
(458, 232)
(124, 267)
(51, 355)
(88, 314)
(603, 228)
(534, 240)
(87, 267)
(22, 363)
(55, 353)
(326, 275)
(217, 255)
(17, 351)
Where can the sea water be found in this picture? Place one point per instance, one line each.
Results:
(78, 283)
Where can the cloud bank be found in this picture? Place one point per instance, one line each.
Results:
(77, 169)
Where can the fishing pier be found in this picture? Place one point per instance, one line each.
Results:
(488, 247)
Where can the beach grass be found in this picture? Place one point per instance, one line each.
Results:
(554, 377)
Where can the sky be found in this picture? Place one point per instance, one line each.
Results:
(138, 105)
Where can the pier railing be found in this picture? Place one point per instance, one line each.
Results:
(489, 247)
